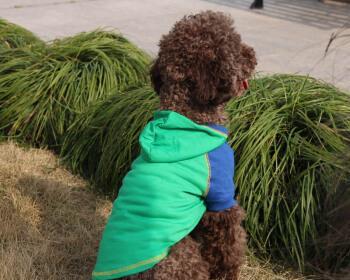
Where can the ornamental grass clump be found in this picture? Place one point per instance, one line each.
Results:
(14, 36)
(16, 44)
(103, 141)
(292, 138)
(38, 102)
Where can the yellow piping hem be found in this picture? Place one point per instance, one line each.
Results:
(218, 131)
(209, 174)
(130, 267)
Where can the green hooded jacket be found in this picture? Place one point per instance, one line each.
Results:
(162, 197)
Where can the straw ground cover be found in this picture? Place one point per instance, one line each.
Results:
(42, 90)
(291, 136)
(52, 222)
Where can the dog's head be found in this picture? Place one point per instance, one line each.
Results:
(204, 57)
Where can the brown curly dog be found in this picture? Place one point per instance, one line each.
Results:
(202, 63)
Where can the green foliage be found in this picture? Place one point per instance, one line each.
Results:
(14, 36)
(43, 90)
(292, 136)
(103, 141)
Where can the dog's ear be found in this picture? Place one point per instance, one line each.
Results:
(203, 89)
(248, 61)
(156, 78)
(211, 86)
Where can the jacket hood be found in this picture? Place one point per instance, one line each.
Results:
(172, 137)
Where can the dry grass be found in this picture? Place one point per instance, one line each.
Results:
(51, 222)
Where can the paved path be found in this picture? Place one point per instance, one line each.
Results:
(290, 36)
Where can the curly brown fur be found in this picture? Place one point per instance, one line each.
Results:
(146, 275)
(223, 242)
(201, 65)
(183, 263)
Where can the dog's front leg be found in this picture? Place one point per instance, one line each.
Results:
(223, 241)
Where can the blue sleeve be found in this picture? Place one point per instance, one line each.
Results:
(221, 189)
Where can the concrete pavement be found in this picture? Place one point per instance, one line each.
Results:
(289, 36)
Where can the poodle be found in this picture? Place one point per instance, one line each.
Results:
(175, 216)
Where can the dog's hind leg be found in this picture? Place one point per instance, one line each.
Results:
(223, 242)
(183, 263)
